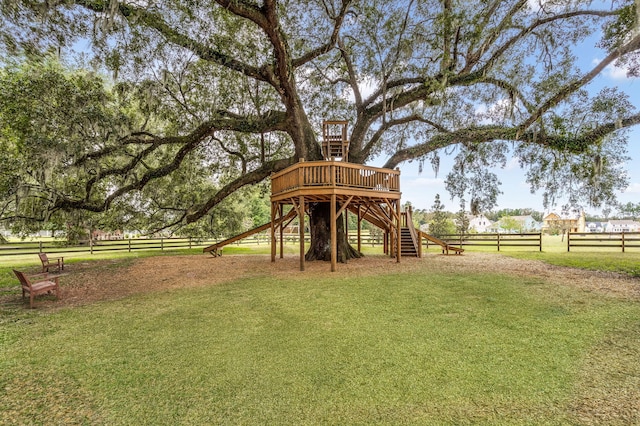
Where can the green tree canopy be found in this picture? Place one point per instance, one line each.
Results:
(228, 91)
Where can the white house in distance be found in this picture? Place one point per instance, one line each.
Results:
(622, 226)
(527, 223)
(595, 226)
(480, 224)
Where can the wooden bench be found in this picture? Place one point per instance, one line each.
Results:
(46, 284)
(55, 263)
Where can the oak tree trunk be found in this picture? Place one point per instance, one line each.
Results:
(319, 225)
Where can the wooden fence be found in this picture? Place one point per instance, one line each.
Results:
(532, 240)
(132, 244)
(621, 241)
(613, 240)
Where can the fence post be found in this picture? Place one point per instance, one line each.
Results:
(623, 241)
(568, 241)
(540, 240)
(498, 234)
(161, 244)
(90, 245)
(129, 245)
(40, 246)
(189, 242)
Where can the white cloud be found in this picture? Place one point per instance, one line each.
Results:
(494, 113)
(634, 188)
(367, 86)
(613, 72)
(512, 164)
(422, 182)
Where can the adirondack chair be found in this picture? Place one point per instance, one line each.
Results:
(55, 263)
(46, 284)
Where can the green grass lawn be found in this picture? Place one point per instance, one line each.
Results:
(593, 258)
(400, 348)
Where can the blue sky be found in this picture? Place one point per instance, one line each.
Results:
(421, 188)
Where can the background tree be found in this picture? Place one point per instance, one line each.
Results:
(237, 90)
(510, 224)
(462, 219)
(47, 117)
(440, 224)
(630, 210)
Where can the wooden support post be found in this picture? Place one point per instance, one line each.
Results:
(385, 242)
(273, 232)
(334, 234)
(346, 223)
(301, 230)
(360, 230)
(540, 241)
(281, 213)
(398, 232)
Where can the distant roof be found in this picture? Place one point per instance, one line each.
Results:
(565, 215)
(624, 222)
(522, 217)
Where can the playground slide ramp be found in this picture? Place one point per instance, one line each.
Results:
(216, 249)
(446, 248)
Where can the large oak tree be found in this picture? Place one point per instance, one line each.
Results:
(237, 89)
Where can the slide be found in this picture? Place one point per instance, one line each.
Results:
(216, 249)
(445, 247)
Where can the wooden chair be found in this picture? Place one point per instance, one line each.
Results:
(55, 263)
(45, 285)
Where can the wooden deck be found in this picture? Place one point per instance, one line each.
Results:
(372, 193)
(318, 180)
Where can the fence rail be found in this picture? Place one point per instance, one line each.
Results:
(131, 244)
(533, 240)
(622, 241)
(617, 240)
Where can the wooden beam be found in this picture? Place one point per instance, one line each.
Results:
(281, 207)
(301, 209)
(399, 233)
(273, 232)
(344, 206)
(334, 234)
(359, 229)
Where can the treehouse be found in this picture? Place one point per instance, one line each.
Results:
(331, 189)
(371, 193)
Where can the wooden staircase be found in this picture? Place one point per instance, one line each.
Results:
(408, 244)
(411, 239)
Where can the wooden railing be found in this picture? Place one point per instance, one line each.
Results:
(532, 240)
(335, 174)
(618, 240)
(91, 246)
